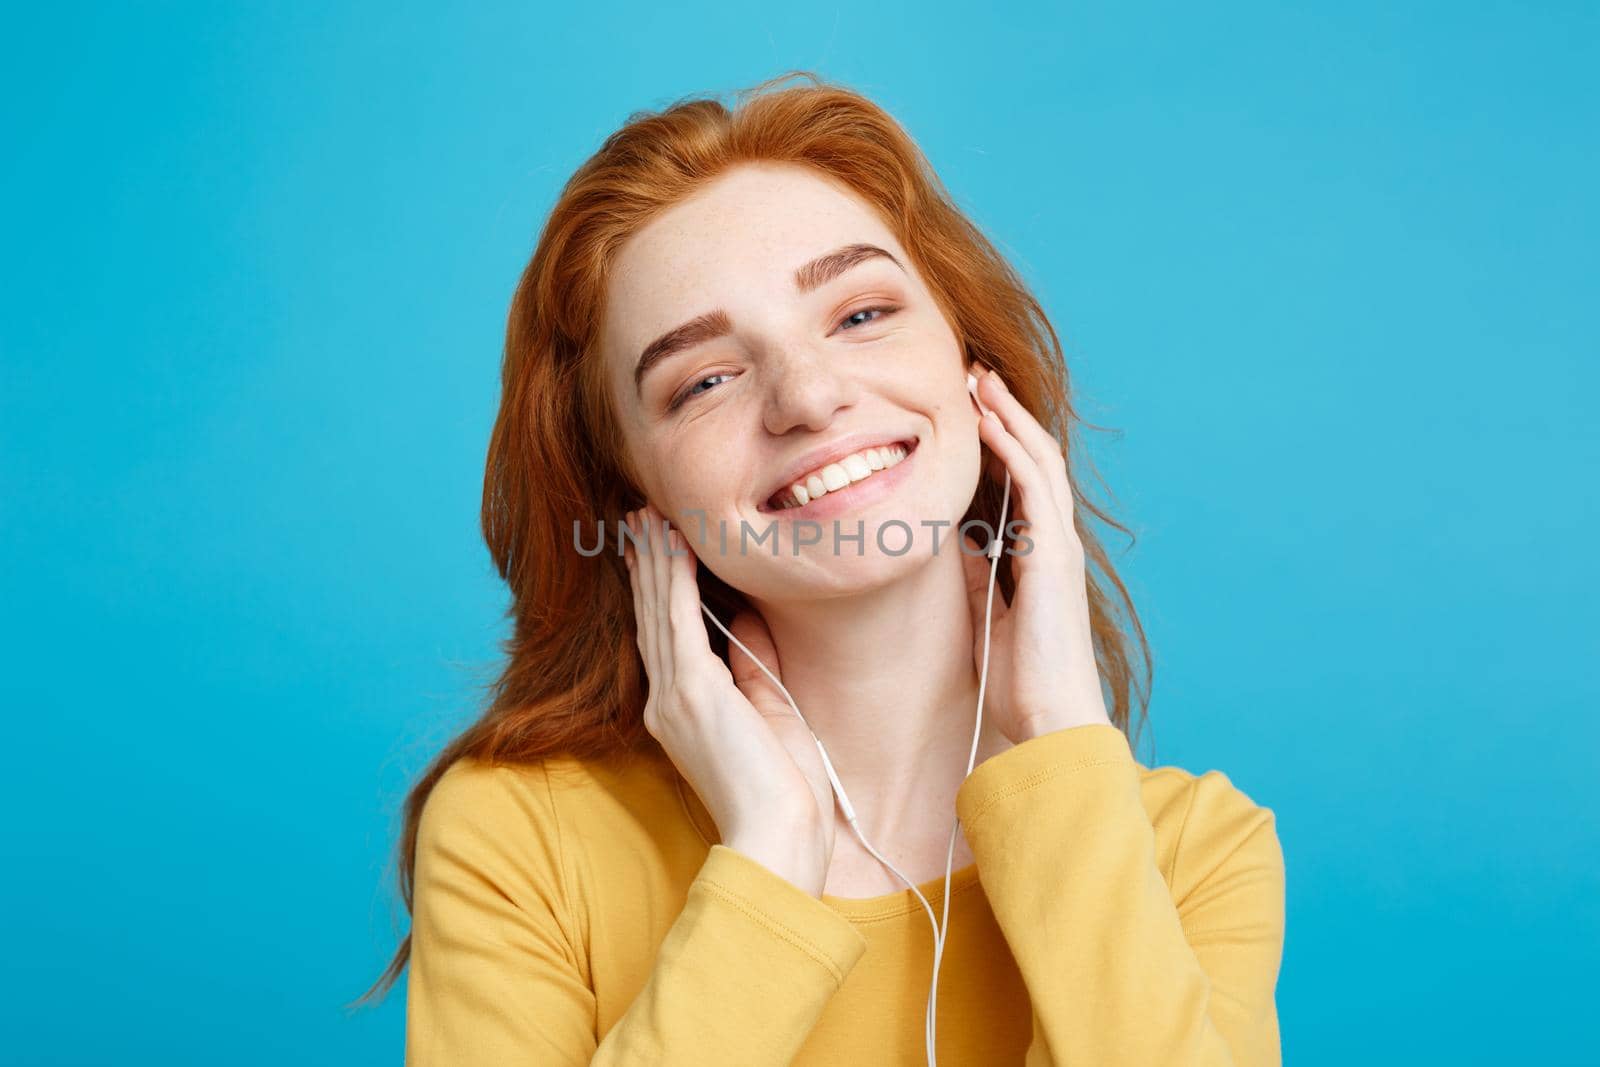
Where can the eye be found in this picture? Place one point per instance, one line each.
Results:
(883, 313)
(694, 390)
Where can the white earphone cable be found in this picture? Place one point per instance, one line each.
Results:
(996, 546)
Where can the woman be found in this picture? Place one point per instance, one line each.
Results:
(636, 854)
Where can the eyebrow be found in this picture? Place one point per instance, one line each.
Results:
(814, 275)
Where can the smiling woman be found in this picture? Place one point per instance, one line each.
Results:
(807, 360)
(768, 316)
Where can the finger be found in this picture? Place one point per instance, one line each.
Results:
(1040, 443)
(1036, 499)
(643, 613)
(639, 629)
(689, 641)
(660, 589)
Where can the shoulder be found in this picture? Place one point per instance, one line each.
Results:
(1199, 802)
(487, 823)
(473, 794)
(1207, 825)
(497, 807)
(564, 835)
(490, 832)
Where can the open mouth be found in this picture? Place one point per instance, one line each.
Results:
(840, 475)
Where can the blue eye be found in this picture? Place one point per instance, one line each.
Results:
(694, 389)
(678, 400)
(884, 312)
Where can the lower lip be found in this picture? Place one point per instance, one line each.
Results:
(853, 497)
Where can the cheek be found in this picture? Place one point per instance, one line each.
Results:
(701, 476)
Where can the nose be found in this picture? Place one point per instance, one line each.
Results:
(804, 388)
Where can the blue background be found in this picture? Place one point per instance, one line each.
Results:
(1329, 275)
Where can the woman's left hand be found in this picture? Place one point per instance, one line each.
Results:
(1042, 672)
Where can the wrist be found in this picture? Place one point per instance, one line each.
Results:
(792, 854)
(1051, 721)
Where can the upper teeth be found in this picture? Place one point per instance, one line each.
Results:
(847, 471)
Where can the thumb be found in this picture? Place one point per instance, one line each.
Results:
(751, 630)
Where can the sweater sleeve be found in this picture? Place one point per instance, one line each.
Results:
(499, 972)
(1121, 967)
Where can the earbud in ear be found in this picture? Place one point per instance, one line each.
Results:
(972, 387)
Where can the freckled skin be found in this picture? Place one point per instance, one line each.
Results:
(790, 378)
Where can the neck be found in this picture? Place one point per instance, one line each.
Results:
(886, 679)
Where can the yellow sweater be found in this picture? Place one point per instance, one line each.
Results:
(578, 912)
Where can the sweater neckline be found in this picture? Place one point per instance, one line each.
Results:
(903, 901)
(856, 909)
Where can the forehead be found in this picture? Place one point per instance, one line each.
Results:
(735, 245)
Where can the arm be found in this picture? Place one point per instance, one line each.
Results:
(1118, 973)
(500, 975)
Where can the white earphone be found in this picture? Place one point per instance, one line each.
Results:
(996, 545)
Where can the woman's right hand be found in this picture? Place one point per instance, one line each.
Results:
(731, 734)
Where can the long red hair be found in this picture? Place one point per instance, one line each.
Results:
(573, 682)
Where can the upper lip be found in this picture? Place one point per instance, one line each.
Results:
(833, 451)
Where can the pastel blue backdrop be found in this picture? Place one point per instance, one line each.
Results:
(1330, 274)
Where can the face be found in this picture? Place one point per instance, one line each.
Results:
(778, 377)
